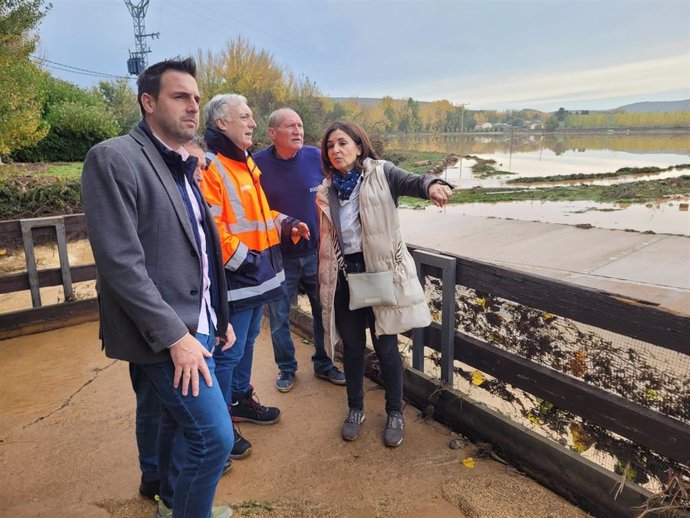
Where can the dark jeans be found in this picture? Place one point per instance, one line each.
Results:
(234, 365)
(299, 271)
(352, 327)
(199, 430)
(148, 420)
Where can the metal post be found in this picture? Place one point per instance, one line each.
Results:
(447, 266)
(59, 224)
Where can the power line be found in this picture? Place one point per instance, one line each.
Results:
(222, 22)
(76, 70)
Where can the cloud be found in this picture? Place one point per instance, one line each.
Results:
(640, 78)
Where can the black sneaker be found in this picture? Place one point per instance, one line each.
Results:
(149, 489)
(242, 447)
(249, 410)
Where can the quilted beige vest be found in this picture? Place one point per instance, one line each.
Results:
(380, 238)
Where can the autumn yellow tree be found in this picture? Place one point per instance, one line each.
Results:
(243, 69)
(20, 101)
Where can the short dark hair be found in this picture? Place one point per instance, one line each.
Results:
(149, 81)
(357, 134)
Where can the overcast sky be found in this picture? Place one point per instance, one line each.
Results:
(500, 54)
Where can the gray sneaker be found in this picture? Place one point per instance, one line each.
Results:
(285, 381)
(394, 433)
(351, 426)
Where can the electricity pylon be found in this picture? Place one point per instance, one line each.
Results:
(138, 59)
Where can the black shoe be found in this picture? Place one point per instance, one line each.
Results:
(242, 447)
(149, 489)
(249, 410)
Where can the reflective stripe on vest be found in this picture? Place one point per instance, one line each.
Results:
(238, 257)
(242, 224)
(253, 291)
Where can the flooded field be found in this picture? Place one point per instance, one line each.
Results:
(535, 155)
(565, 147)
(531, 155)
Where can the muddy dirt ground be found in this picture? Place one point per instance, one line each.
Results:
(67, 448)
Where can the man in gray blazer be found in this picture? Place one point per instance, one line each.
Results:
(161, 286)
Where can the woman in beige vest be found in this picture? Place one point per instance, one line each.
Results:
(359, 231)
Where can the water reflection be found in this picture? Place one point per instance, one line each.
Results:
(467, 144)
(533, 155)
(545, 155)
(670, 217)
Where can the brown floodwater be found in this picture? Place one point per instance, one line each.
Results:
(462, 176)
(668, 217)
(532, 155)
(676, 143)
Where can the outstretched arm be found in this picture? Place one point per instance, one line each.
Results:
(427, 186)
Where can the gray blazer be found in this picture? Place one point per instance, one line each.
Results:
(149, 270)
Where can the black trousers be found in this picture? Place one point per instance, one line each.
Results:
(352, 326)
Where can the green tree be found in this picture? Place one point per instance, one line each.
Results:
(121, 101)
(77, 119)
(562, 113)
(305, 98)
(337, 112)
(551, 123)
(415, 119)
(20, 101)
(390, 115)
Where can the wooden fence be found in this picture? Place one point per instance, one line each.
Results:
(557, 467)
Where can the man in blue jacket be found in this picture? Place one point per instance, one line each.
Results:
(291, 174)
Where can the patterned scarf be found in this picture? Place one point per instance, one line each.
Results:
(344, 185)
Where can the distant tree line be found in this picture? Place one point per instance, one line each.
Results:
(46, 119)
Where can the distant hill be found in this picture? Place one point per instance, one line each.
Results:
(364, 101)
(646, 106)
(657, 106)
(368, 101)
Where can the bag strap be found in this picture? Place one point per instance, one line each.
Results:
(338, 251)
(341, 259)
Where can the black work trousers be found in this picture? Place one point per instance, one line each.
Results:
(352, 326)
